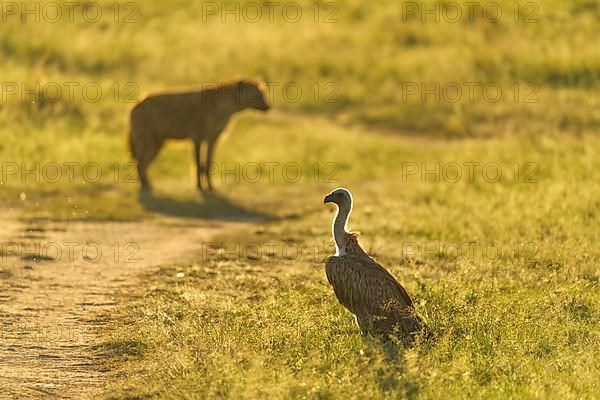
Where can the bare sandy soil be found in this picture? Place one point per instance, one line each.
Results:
(58, 285)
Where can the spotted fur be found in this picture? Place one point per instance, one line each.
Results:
(199, 115)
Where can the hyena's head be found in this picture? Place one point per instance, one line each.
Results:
(254, 94)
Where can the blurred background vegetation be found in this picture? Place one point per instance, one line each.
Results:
(353, 66)
(367, 49)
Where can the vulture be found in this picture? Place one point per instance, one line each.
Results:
(379, 303)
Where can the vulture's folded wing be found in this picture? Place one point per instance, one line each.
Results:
(362, 285)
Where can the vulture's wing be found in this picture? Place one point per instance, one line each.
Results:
(362, 285)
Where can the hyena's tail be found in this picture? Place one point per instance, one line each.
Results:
(131, 133)
(131, 147)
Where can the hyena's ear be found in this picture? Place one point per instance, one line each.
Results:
(260, 82)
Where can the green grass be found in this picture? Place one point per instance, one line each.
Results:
(244, 325)
(252, 322)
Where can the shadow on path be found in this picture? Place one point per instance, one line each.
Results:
(211, 206)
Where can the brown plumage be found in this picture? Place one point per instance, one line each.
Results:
(379, 303)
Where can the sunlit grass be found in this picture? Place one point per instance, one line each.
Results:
(255, 317)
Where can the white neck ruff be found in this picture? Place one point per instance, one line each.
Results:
(339, 229)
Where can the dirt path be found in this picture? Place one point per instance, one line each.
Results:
(57, 284)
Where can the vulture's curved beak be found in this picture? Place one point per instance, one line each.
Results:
(327, 199)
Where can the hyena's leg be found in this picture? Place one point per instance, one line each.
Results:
(210, 153)
(198, 160)
(145, 154)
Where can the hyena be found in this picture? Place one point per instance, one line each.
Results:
(200, 115)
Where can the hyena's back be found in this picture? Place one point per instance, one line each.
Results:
(171, 115)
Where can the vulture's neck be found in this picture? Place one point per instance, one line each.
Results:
(339, 229)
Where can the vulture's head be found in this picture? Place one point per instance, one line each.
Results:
(341, 197)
